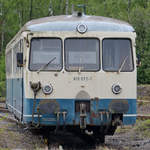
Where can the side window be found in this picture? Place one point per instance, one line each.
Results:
(9, 62)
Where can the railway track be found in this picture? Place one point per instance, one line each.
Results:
(143, 116)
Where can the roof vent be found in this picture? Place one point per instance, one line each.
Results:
(79, 14)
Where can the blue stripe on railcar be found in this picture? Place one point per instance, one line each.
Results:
(73, 118)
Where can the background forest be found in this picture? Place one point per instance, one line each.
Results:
(15, 13)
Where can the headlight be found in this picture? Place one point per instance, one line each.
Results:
(116, 89)
(47, 89)
(82, 28)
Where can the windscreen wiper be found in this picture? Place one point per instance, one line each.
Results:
(45, 65)
(122, 64)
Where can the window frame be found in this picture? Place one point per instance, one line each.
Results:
(60, 51)
(133, 65)
(65, 57)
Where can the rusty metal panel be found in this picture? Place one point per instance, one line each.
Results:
(48, 106)
(119, 106)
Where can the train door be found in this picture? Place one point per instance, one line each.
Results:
(17, 82)
(9, 93)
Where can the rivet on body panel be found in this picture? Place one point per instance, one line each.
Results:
(56, 75)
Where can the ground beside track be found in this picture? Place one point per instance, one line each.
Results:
(13, 136)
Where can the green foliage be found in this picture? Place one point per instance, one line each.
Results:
(15, 13)
(2, 75)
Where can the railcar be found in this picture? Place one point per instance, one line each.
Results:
(73, 71)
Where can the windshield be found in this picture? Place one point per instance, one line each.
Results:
(82, 54)
(42, 51)
(117, 55)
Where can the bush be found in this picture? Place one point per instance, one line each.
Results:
(2, 75)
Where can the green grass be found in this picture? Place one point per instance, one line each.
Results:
(2, 88)
(143, 127)
(2, 99)
(123, 129)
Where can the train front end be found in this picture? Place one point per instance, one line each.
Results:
(80, 73)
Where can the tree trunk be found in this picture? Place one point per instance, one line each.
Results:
(2, 28)
(129, 5)
(67, 7)
(20, 19)
(50, 8)
(2, 40)
(31, 7)
(61, 6)
(145, 4)
(2, 35)
(72, 9)
(85, 3)
(105, 7)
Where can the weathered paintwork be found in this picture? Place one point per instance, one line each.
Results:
(69, 23)
(69, 86)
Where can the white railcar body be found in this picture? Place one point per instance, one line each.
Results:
(103, 92)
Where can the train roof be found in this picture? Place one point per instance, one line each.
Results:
(70, 23)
